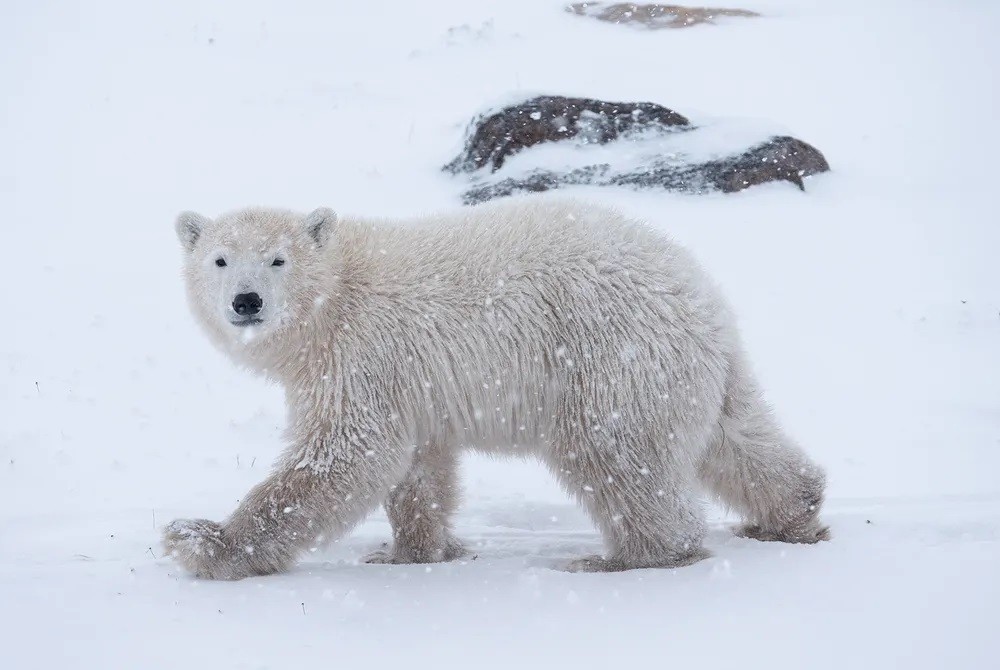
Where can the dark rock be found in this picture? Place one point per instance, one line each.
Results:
(495, 137)
(778, 159)
(653, 16)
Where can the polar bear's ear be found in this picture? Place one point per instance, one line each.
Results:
(189, 226)
(320, 224)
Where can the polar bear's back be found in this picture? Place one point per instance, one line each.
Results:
(537, 238)
(555, 263)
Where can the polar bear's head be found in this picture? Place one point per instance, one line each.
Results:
(254, 272)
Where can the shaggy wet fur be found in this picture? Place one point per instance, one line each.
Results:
(554, 329)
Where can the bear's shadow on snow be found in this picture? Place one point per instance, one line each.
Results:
(519, 535)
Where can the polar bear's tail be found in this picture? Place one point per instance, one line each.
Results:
(757, 470)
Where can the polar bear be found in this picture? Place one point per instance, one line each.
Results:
(542, 327)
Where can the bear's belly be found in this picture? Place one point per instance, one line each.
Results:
(512, 417)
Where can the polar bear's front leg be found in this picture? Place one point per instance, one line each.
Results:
(302, 505)
(420, 508)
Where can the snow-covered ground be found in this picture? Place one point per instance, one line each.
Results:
(870, 305)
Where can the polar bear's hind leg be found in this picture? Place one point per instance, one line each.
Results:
(645, 505)
(758, 471)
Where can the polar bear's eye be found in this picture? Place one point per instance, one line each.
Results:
(221, 262)
(278, 262)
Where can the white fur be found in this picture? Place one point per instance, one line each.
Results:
(538, 327)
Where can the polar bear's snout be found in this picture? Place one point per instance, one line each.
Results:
(247, 306)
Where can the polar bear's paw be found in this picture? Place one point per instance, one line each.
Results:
(452, 550)
(200, 547)
(809, 533)
(593, 563)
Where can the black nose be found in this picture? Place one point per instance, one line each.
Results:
(247, 304)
